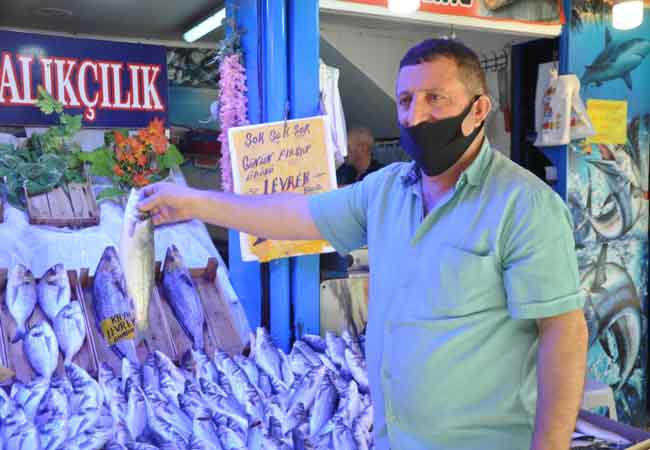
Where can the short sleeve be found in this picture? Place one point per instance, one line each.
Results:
(540, 266)
(341, 215)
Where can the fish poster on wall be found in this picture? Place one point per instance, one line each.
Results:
(607, 193)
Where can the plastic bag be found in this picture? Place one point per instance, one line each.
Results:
(581, 126)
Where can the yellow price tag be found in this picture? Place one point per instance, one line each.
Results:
(118, 327)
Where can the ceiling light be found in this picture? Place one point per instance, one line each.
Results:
(403, 6)
(211, 23)
(627, 14)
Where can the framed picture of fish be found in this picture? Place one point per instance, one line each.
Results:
(607, 194)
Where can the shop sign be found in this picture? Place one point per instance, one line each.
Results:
(290, 156)
(112, 84)
(536, 11)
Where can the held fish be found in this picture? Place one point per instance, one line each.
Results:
(41, 348)
(111, 300)
(21, 298)
(54, 291)
(137, 258)
(70, 330)
(183, 297)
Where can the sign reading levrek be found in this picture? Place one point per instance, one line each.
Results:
(112, 84)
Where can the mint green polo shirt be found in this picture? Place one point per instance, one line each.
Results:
(451, 341)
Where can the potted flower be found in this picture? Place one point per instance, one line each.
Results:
(133, 160)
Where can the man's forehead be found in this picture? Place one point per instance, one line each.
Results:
(437, 75)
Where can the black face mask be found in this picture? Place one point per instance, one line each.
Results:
(436, 146)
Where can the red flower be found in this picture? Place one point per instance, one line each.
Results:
(117, 170)
(159, 143)
(140, 180)
(156, 127)
(120, 139)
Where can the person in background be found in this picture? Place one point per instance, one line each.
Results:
(359, 161)
(476, 337)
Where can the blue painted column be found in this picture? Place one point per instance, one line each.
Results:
(246, 276)
(274, 68)
(303, 33)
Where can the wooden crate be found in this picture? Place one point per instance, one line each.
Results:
(219, 330)
(13, 356)
(54, 208)
(161, 337)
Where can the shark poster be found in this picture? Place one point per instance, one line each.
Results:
(607, 193)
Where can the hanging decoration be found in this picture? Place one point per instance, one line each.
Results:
(231, 107)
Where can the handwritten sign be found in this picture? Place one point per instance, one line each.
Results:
(610, 121)
(290, 156)
(118, 327)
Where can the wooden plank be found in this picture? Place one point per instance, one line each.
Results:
(161, 338)
(13, 354)
(54, 208)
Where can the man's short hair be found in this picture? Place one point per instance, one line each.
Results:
(470, 72)
(363, 134)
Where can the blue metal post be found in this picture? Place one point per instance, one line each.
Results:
(303, 33)
(274, 69)
(246, 276)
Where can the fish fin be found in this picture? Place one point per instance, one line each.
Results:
(604, 343)
(608, 37)
(628, 80)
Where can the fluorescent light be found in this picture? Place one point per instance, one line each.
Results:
(403, 6)
(627, 14)
(211, 23)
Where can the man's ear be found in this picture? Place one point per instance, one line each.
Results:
(482, 108)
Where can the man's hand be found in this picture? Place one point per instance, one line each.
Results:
(169, 202)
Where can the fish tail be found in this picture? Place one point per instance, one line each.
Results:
(20, 334)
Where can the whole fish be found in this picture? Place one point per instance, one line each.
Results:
(336, 349)
(54, 291)
(41, 348)
(316, 342)
(183, 297)
(138, 261)
(357, 365)
(111, 300)
(86, 392)
(267, 356)
(21, 298)
(70, 330)
(342, 437)
(136, 413)
(325, 404)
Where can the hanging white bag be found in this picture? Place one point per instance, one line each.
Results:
(581, 126)
(556, 112)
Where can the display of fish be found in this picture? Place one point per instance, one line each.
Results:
(70, 330)
(20, 298)
(137, 257)
(219, 402)
(181, 293)
(111, 301)
(54, 291)
(41, 349)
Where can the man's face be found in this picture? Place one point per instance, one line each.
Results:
(356, 149)
(431, 91)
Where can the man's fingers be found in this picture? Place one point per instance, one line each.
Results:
(148, 203)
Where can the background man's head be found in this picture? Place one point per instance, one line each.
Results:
(360, 145)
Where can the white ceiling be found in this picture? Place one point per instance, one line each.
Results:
(156, 20)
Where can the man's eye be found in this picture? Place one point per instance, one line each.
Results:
(404, 101)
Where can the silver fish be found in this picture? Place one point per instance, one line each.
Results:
(165, 364)
(243, 391)
(87, 394)
(311, 355)
(150, 372)
(342, 437)
(336, 349)
(357, 365)
(160, 422)
(201, 365)
(352, 342)
(30, 395)
(325, 404)
(249, 367)
(285, 368)
(316, 342)
(169, 387)
(183, 297)
(136, 412)
(307, 388)
(225, 406)
(130, 371)
(54, 291)
(41, 348)
(138, 257)
(21, 298)
(111, 300)
(266, 355)
(70, 330)
(24, 437)
(204, 435)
